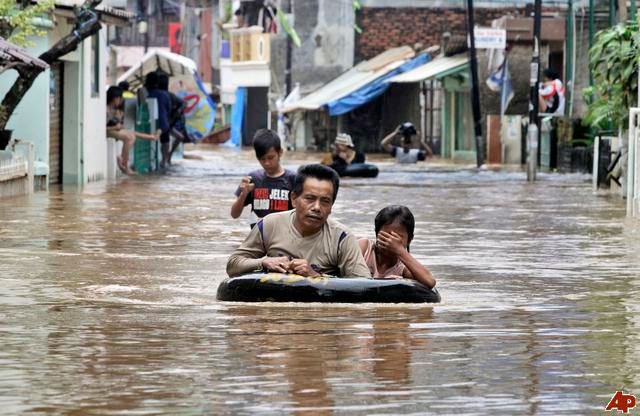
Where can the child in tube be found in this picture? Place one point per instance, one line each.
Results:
(388, 257)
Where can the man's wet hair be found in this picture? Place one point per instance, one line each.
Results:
(319, 172)
(265, 139)
(124, 85)
(395, 213)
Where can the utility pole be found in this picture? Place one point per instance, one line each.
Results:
(143, 22)
(287, 70)
(475, 88)
(534, 127)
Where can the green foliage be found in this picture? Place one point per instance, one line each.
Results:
(17, 24)
(613, 61)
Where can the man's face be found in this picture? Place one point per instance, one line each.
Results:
(313, 205)
(270, 161)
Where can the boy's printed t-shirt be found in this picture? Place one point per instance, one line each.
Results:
(270, 194)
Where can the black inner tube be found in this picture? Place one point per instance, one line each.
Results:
(276, 287)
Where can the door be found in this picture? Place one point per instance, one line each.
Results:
(55, 123)
(71, 125)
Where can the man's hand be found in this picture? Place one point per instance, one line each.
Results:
(391, 242)
(276, 264)
(247, 185)
(302, 268)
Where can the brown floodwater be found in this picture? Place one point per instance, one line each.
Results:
(108, 301)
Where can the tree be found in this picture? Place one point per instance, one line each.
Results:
(613, 60)
(17, 24)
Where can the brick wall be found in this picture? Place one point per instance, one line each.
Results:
(384, 28)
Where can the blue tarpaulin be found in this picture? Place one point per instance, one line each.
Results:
(237, 117)
(373, 89)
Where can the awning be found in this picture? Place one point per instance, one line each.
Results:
(177, 66)
(13, 56)
(354, 79)
(437, 68)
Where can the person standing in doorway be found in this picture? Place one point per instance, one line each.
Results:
(551, 93)
(154, 83)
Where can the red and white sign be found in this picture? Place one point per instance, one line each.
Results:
(621, 402)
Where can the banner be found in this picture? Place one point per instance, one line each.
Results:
(500, 80)
(200, 111)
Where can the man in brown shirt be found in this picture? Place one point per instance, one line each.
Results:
(303, 241)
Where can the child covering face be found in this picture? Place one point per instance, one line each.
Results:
(388, 257)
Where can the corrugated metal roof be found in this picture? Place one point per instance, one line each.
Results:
(177, 66)
(10, 55)
(355, 78)
(433, 69)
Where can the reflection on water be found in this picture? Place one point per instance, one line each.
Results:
(107, 302)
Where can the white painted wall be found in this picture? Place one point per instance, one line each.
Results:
(93, 116)
(31, 118)
(30, 121)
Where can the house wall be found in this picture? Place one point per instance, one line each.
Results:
(93, 112)
(389, 27)
(30, 121)
(326, 31)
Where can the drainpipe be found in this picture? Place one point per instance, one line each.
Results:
(591, 28)
(569, 51)
(475, 88)
(287, 72)
(423, 111)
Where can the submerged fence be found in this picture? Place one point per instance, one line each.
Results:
(16, 170)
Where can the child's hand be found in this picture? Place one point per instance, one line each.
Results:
(247, 185)
(391, 242)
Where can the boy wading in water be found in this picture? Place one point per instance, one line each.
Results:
(268, 189)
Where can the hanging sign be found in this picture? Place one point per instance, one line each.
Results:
(489, 38)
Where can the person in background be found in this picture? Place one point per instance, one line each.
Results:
(388, 256)
(406, 153)
(304, 241)
(116, 130)
(343, 154)
(551, 93)
(153, 83)
(126, 90)
(268, 189)
(177, 127)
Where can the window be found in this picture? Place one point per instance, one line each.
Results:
(95, 65)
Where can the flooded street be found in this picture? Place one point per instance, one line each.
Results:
(108, 301)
